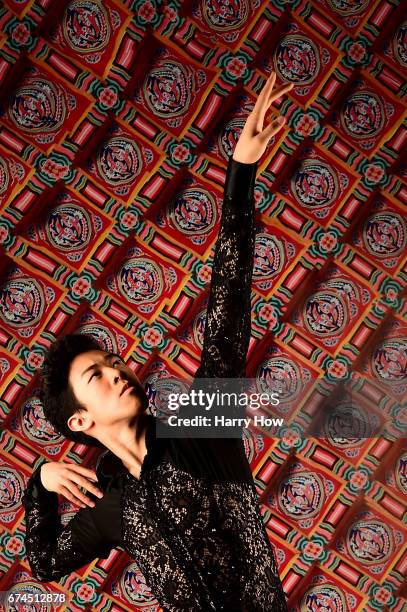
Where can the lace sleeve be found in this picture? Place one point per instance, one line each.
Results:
(227, 327)
(53, 550)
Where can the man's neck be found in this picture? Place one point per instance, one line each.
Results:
(130, 444)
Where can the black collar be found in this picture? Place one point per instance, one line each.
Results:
(108, 465)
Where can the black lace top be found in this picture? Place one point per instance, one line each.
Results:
(192, 520)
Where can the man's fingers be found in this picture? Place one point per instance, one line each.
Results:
(82, 470)
(280, 91)
(266, 97)
(272, 129)
(264, 94)
(79, 499)
(85, 484)
(269, 84)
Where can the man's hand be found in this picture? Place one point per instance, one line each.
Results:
(66, 478)
(253, 139)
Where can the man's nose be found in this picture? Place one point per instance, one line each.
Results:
(116, 377)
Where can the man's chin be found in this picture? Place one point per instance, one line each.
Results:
(139, 391)
(141, 406)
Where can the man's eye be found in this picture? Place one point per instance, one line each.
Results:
(118, 362)
(95, 373)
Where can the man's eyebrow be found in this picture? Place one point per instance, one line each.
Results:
(107, 357)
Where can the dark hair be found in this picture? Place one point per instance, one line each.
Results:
(57, 396)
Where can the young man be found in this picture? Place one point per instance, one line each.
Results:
(185, 509)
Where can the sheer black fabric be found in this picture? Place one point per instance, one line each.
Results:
(192, 520)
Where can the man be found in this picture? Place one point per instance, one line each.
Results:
(185, 509)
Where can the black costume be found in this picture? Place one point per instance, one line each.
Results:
(192, 520)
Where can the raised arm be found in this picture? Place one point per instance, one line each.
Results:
(227, 327)
(53, 550)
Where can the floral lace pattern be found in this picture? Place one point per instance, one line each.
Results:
(227, 326)
(208, 541)
(51, 549)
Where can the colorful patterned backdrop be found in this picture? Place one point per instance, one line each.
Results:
(116, 122)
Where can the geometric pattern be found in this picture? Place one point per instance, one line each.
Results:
(116, 122)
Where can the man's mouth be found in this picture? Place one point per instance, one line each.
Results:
(138, 390)
(127, 387)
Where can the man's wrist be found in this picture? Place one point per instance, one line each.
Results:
(38, 489)
(36, 495)
(40, 475)
(240, 180)
(238, 159)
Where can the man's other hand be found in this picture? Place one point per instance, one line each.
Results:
(67, 478)
(253, 139)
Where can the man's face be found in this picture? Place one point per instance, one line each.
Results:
(109, 390)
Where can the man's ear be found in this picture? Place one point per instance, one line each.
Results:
(80, 421)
